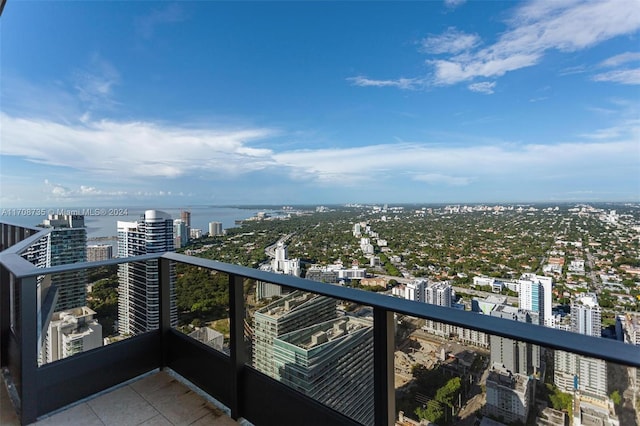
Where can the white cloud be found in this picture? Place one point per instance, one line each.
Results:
(627, 129)
(620, 59)
(146, 25)
(451, 41)
(95, 82)
(485, 87)
(368, 164)
(625, 76)
(98, 153)
(452, 4)
(56, 191)
(401, 83)
(134, 149)
(538, 27)
(437, 178)
(534, 29)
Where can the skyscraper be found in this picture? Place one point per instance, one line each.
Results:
(99, 252)
(513, 355)
(586, 316)
(180, 233)
(292, 312)
(66, 243)
(332, 362)
(185, 215)
(415, 290)
(138, 290)
(215, 228)
(578, 373)
(70, 332)
(439, 293)
(535, 295)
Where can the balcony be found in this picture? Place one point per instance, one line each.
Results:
(227, 374)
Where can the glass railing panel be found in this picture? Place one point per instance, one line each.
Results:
(202, 305)
(438, 368)
(316, 345)
(445, 377)
(89, 308)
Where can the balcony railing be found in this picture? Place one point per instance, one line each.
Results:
(40, 389)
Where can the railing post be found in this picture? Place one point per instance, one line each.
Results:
(4, 233)
(5, 305)
(164, 284)
(28, 349)
(238, 347)
(384, 397)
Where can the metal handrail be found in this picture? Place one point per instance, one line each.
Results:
(605, 349)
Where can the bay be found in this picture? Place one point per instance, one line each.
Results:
(102, 222)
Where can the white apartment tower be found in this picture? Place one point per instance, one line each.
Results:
(535, 296)
(586, 315)
(439, 293)
(71, 331)
(415, 290)
(215, 228)
(578, 373)
(139, 292)
(282, 264)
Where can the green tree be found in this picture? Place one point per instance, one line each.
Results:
(615, 397)
(448, 393)
(432, 412)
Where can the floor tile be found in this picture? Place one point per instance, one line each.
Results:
(151, 383)
(158, 420)
(79, 415)
(213, 419)
(179, 404)
(8, 415)
(123, 406)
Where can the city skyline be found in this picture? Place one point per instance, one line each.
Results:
(194, 103)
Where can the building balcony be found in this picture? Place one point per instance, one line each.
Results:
(313, 367)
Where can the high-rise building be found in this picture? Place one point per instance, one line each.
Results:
(415, 290)
(586, 316)
(357, 230)
(292, 312)
(439, 293)
(70, 332)
(99, 252)
(513, 355)
(185, 216)
(180, 233)
(215, 228)
(578, 373)
(535, 295)
(65, 244)
(332, 362)
(509, 395)
(138, 290)
(281, 262)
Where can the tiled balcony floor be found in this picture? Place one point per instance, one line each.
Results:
(158, 399)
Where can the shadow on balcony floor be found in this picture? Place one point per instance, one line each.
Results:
(158, 399)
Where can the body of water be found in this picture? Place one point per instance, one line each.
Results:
(102, 222)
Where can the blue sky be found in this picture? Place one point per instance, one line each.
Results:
(191, 103)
